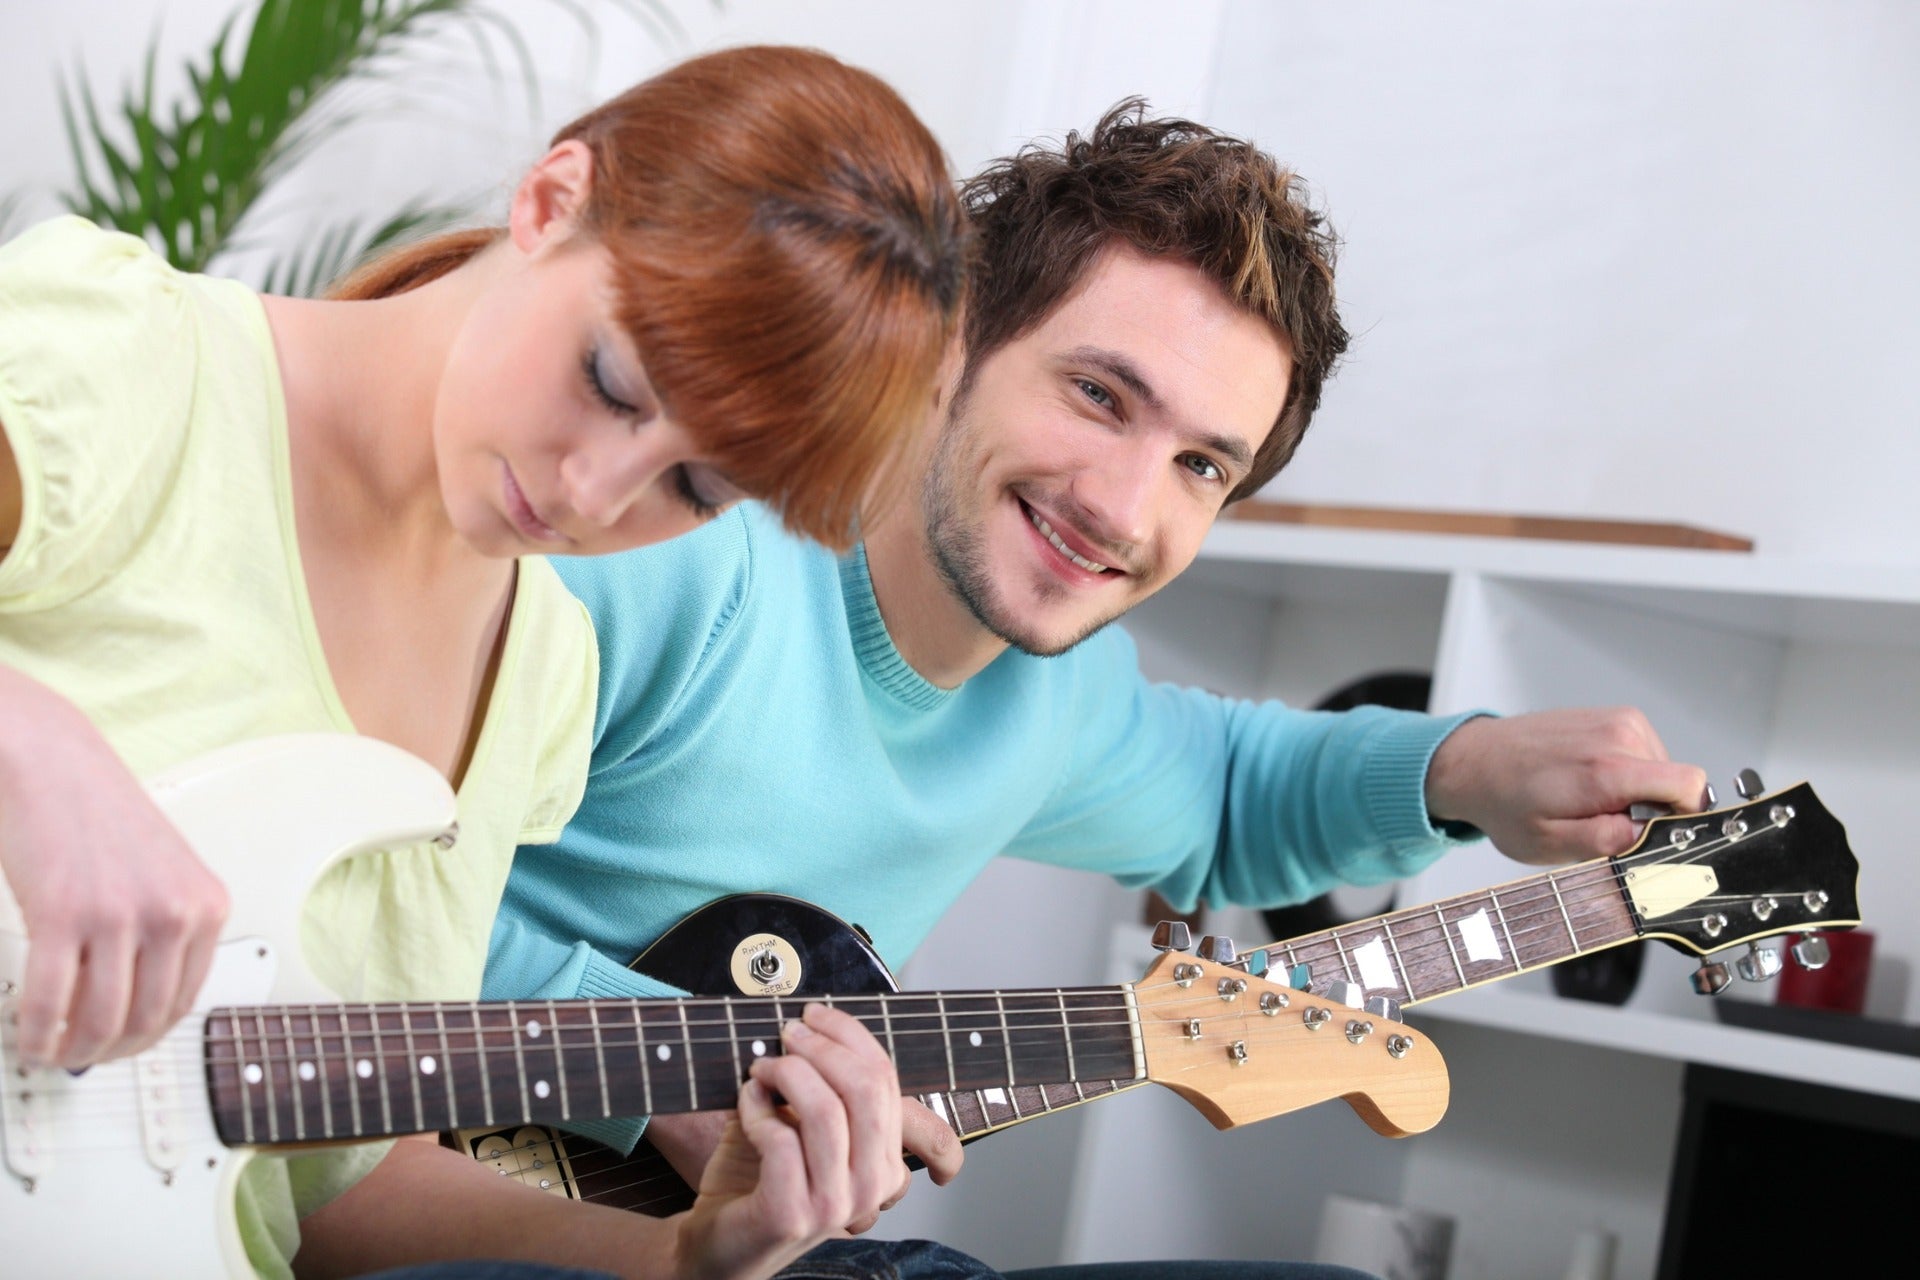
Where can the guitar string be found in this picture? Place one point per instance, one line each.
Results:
(1300, 945)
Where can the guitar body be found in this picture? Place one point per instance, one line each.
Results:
(131, 1145)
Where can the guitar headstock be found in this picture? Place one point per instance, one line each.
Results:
(1770, 865)
(1241, 1048)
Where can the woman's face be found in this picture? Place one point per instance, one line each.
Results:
(548, 435)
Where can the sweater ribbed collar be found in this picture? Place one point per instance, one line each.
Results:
(874, 647)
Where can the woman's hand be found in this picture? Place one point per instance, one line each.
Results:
(122, 918)
(784, 1179)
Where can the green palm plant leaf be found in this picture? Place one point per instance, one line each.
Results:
(187, 175)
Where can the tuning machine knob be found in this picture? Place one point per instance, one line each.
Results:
(1383, 1007)
(1811, 951)
(1711, 978)
(1217, 948)
(1748, 784)
(1759, 964)
(1171, 935)
(1350, 994)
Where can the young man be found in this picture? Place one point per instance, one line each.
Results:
(1152, 321)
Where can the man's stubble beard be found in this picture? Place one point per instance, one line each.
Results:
(955, 543)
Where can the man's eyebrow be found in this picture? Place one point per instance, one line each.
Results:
(1127, 374)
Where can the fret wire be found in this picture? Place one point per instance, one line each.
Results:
(686, 1039)
(266, 1067)
(733, 1038)
(1406, 978)
(559, 1062)
(600, 1058)
(380, 1074)
(320, 1064)
(520, 1057)
(1572, 936)
(946, 1038)
(477, 1020)
(293, 1073)
(1500, 913)
(1066, 1030)
(1006, 1040)
(886, 1026)
(413, 1070)
(240, 1070)
(1339, 947)
(1440, 913)
(353, 1088)
(640, 1048)
(446, 1063)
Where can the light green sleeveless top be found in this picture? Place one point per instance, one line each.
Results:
(156, 582)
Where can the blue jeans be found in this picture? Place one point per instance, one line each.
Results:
(925, 1260)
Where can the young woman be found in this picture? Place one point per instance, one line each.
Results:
(224, 516)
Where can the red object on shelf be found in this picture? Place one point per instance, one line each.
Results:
(1841, 984)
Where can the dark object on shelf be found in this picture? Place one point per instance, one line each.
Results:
(1404, 691)
(1605, 977)
(1821, 1024)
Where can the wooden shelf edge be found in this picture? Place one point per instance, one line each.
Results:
(1411, 520)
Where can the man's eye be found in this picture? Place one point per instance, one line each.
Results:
(1205, 468)
(1094, 392)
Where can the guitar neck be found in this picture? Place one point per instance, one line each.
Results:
(1444, 947)
(317, 1073)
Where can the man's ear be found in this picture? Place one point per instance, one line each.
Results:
(551, 199)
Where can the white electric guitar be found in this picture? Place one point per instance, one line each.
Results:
(129, 1168)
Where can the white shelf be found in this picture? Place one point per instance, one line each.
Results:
(1685, 1039)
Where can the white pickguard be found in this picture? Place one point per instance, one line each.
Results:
(118, 1173)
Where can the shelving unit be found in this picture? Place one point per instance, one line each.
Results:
(1801, 670)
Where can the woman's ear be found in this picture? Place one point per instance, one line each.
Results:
(551, 199)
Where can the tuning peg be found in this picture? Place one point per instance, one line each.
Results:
(1647, 811)
(1172, 935)
(1710, 979)
(1217, 948)
(1759, 964)
(1748, 784)
(1350, 994)
(1300, 977)
(1811, 951)
(1708, 799)
(1383, 1007)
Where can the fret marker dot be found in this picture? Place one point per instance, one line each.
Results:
(540, 1089)
(428, 1065)
(253, 1073)
(665, 1052)
(533, 1029)
(759, 1048)
(306, 1071)
(973, 1038)
(363, 1069)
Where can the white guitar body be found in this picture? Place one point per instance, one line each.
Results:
(118, 1173)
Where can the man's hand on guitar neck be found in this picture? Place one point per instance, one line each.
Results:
(122, 918)
(688, 1141)
(1555, 786)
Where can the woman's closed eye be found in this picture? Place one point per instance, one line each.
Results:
(705, 491)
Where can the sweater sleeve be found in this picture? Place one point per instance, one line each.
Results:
(1208, 798)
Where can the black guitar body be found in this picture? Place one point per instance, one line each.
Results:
(751, 944)
(766, 944)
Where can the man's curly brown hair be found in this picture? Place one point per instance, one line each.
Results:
(1169, 188)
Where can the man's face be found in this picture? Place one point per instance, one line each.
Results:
(1082, 466)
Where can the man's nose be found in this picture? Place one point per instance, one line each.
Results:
(1121, 492)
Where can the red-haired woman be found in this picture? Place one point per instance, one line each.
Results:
(226, 516)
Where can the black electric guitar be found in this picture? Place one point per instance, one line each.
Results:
(1703, 883)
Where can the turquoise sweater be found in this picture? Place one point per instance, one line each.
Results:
(758, 731)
